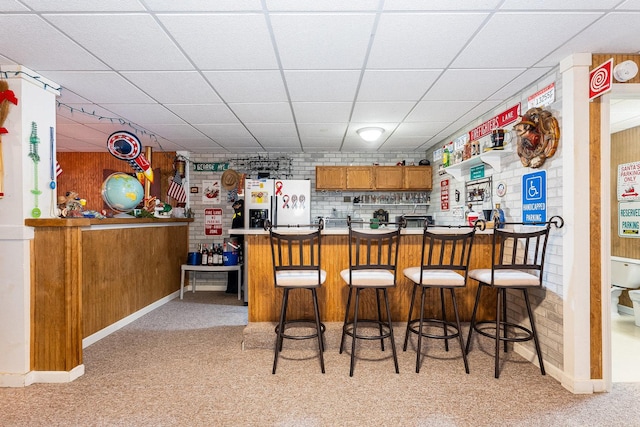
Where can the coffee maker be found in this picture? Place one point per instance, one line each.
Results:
(257, 217)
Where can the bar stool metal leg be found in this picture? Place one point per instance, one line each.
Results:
(318, 328)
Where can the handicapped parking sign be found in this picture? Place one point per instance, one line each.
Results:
(534, 197)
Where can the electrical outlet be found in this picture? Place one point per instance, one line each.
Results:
(346, 199)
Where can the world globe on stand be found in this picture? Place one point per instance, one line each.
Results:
(122, 192)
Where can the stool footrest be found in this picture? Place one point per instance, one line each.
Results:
(528, 334)
(414, 325)
(291, 324)
(368, 324)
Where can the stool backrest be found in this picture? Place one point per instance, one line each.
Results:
(447, 250)
(375, 250)
(520, 250)
(296, 251)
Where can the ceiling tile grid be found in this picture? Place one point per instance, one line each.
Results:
(298, 75)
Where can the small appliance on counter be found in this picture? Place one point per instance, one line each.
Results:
(415, 221)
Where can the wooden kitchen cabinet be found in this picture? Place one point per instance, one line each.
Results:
(389, 177)
(360, 178)
(417, 178)
(383, 178)
(331, 177)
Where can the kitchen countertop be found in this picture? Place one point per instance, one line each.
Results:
(338, 231)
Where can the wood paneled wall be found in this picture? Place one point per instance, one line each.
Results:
(83, 173)
(596, 243)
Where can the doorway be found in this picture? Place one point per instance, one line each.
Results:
(623, 338)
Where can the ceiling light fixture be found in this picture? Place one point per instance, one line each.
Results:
(370, 134)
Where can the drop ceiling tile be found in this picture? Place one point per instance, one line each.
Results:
(424, 129)
(268, 112)
(557, 5)
(12, 6)
(85, 6)
(145, 114)
(322, 5)
(446, 5)
(261, 130)
(322, 86)
(621, 36)
(516, 49)
(174, 87)
(322, 130)
(248, 86)
(79, 131)
(470, 85)
(375, 112)
(418, 40)
(317, 41)
(123, 41)
(41, 47)
(86, 113)
(311, 144)
(99, 86)
(203, 6)
(322, 112)
(203, 113)
(223, 41)
(629, 5)
(440, 111)
(396, 85)
(176, 132)
(216, 132)
(523, 80)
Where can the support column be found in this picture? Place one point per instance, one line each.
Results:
(576, 243)
(36, 103)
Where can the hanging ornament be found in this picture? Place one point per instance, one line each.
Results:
(126, 146)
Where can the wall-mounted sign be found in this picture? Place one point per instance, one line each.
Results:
(628, 182)
(629, 219)
(477, 172)
(211, 192)
(499, 121)
(543, 97)
(600, 79)
(213, 222)
(534, 197)
(444, 195)
(210, 167)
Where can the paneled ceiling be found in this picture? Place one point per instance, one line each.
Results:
(262, 76)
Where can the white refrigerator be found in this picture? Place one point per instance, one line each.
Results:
(282, 201)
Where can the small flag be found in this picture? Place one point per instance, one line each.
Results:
(175, 189)
(58, 169)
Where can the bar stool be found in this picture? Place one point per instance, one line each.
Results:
(373, 256)
(517, 263)
(296, 265)
(444, 266)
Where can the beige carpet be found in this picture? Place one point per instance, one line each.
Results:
(183, 365)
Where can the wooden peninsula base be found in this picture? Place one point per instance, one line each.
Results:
(264, 299)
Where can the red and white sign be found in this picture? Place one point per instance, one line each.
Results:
(444, 195)
(600, 79)
(629, 182)
(543, 97)
(497, 122)
(213, 222)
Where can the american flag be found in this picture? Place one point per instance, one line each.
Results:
(175, 189)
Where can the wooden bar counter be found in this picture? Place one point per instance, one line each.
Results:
(264, 299)
(87, 274)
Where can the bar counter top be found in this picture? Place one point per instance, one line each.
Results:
(343, 231)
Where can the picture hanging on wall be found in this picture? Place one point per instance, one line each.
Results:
(211, 192)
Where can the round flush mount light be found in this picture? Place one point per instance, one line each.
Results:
(625, 71)
(370, 134)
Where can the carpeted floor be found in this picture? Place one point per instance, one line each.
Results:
(183, 365)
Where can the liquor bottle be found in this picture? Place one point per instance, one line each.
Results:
(498, 216)
(445, 157)
(212, 255)
(220, 255)
(205, 255)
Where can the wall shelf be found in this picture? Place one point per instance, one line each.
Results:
(493, 158)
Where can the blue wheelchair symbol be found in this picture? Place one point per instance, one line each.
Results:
(533, 186)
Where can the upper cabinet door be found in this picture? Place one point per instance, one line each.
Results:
(330, 177)
(360, 178)
(418, 178)
(388, 177)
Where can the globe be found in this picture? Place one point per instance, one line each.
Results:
(122, 192)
